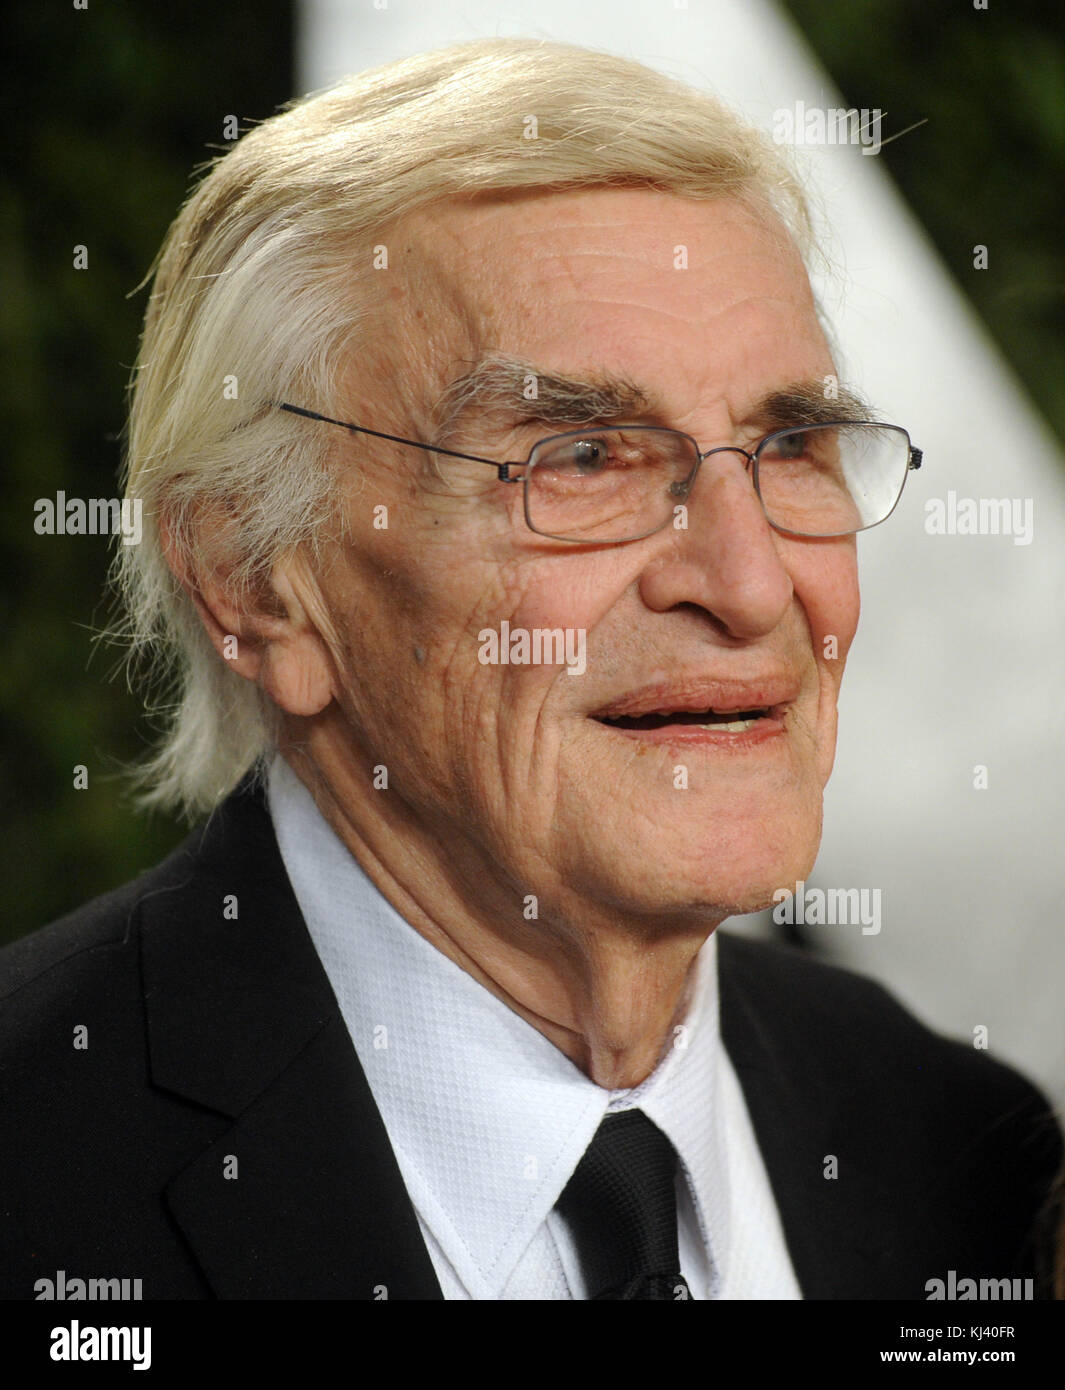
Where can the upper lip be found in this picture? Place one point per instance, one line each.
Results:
(722, 696)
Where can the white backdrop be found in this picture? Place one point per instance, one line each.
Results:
(960, 657)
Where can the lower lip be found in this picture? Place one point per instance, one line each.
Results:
(763, 731)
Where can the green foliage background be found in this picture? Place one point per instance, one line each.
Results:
(111, 110)
(989, 165)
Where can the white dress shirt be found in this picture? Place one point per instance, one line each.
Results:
(488, 1119)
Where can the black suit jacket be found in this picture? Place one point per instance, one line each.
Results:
(210, 1040)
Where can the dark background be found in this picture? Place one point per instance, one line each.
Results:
(110, 112)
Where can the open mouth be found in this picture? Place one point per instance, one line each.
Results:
(724, 721)
(713, 712)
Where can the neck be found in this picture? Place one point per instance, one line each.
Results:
(606, 991)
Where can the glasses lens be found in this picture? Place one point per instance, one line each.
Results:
(608, 485)
(832, 480)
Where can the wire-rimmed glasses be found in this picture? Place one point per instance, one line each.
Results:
(613, 485)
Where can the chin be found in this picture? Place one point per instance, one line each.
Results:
(732, 877)
(744, 883)
(655, 887)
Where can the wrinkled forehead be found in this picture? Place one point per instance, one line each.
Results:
(585, 278)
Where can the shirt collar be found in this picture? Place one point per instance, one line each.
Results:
(488, 1119)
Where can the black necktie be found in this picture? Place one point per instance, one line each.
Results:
(621, 1206)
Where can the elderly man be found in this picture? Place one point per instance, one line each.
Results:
(500, 548)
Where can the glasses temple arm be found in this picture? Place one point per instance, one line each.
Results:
(395, 438)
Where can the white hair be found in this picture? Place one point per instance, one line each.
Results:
(260, 294)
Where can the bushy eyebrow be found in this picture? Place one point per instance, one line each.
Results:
(805, 403)
(499, 386)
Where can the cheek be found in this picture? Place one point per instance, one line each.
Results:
(826, 586)
(568, 589)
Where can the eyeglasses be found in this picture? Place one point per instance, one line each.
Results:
(611, 486)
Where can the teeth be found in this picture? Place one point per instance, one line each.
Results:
(735, 726)
(665, 713)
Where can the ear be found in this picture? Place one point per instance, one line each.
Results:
(278, 637)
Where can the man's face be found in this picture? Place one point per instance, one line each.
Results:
(508, 765)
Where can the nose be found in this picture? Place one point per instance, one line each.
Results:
(727, 558)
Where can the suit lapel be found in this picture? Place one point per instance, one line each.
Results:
(300, 1196)
(838, 1229)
